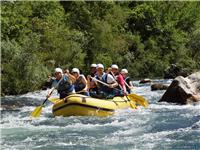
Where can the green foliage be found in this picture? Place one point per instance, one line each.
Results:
(144, 37)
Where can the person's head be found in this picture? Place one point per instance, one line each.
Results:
(124, 72)
(108, 70)
(75, 72)
(58, 73)
(114, 68)
(100, 69)
(93, 68)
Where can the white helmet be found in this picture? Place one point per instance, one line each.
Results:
(114, 66)
(124, 71)
(93, 65)
(58, 70)
(76, 70)
(100, 66)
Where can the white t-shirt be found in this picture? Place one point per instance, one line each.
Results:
(110, 78)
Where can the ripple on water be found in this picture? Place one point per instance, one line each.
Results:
(160, 126)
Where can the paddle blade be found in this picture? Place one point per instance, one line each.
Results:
(139, 99)
(133, 105)
(37, 111)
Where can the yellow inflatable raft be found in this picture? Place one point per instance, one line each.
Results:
(81, 105)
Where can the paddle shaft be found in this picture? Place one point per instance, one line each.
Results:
(80, 91)
(100, 81)
(123, 81)
(53, 89)
(114, 88)
(44, 101)
(121, 87)
(37, 111)
(139, 97)
(104, 83)
(116, 80)
(127, 84)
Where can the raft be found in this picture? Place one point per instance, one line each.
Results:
(81, 105)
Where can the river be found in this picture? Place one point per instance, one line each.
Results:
(160, 126)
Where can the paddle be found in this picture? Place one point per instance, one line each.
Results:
(37, 111)
(136, 98)
(131, 103)
(127, 84)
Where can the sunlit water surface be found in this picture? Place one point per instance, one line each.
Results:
(160, 126)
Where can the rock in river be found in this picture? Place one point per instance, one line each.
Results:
(183, 90)
(158, 86)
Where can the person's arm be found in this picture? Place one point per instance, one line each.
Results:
(83, 79)
(91, 83)
(88, 82)
(111, 81)
(130, 85)
(53, 86)
(71, 77)
(113, 85)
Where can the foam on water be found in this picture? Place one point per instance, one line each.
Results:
(160, 126)
(38, 94)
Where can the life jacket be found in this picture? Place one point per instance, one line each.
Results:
(65, 87)
(78, 84)
(103, 87)
(127, 79)
(118, 91)
(112, 75)
(93, 74)
(115, 77)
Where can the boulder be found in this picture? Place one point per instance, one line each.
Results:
(183, 90)
(158, 86)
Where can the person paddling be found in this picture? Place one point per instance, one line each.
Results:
(93, 70)
(65, 86)
(80, 82)
(119, 78)
(103, 91)
(92, 73)
(127, 80)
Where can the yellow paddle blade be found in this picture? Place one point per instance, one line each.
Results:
(54, 100)
(132, 105)
(37, 111)
(139, 99)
